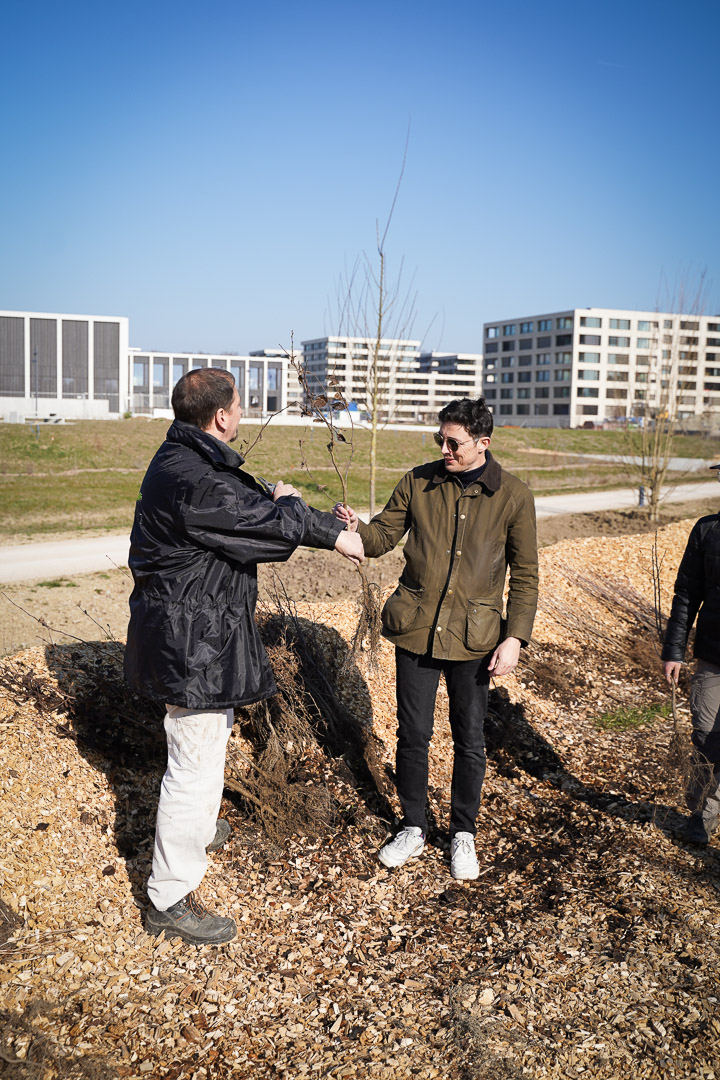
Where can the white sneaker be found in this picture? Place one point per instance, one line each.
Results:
(463, 860)
(408, 844)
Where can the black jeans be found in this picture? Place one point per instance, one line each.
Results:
(417, 682)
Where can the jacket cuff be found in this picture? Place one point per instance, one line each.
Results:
(322, 529)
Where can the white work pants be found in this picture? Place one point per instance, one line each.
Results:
(190, 796)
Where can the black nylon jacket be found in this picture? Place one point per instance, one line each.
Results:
(697, 589)
(201, 526)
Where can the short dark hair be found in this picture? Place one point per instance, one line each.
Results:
(200, 393)
(474, 416)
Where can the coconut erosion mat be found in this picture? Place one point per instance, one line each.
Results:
(588, 946)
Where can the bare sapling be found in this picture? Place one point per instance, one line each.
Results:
(324, 407)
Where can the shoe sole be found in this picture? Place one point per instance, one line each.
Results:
(173, 932)
(466, 877)
(396, 865)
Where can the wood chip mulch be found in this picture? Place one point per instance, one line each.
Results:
(589, 945)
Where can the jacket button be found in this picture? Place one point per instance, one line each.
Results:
(438, 629)
(462, 517)
(458, 552)
(450, 592)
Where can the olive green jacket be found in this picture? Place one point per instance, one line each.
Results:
(450, 595)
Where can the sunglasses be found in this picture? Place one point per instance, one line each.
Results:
(453, 444)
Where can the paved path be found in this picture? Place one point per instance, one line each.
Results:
(65, 558)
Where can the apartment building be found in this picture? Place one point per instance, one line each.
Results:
(413, 385)
(592, 365)
(65, 366)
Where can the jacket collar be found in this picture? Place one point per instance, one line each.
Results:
(204, 443)
(490, 479)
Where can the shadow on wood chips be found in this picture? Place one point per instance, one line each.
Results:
(302, 762)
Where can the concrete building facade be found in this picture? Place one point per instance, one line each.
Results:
(413, 385)
(63, 366)
(594, 365)
(261, 379)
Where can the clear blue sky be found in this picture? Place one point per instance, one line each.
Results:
(210, 170)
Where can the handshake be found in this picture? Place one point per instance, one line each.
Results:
(349, 542)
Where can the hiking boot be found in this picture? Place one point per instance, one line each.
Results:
(463, 860)
(191, 921)
(695, 832)
(408, 844)
(222, 832)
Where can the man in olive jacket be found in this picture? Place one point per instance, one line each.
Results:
(467, 521)
(697, 593)
(201, 526)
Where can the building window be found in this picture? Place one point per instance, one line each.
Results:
(509, 330)
(561, 391)
(545, 324)
(542, 391)
(508, 346)
(506, 395)
(523, 392)
(588, 391)
(619, 324)
(507, 377)
(524, 376)
(586, 374)
(589, 357)
(542, 376)
(613, 394)
(618, 358)
(141, 367)
(492, 347)
(493, 332)
(561, 410)
(526, 344)
(563, 339)
(526, 327)
(490, 395)
(643, 324)
(524, 361)
(564, 323)
(542, 358)
(541, 410)
(590, 339)
(590, 320)
(522, 410)
(643, 343)
(589, 410)
(642, 376)
(563, 358)
(619, 342)
(544, 342)
(506, 410)
(713, 342)
(617, 376)
(508, 361)
(668, 324)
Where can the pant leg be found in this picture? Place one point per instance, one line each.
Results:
(467, 684)
(417, 679)
(703, 790)
(190, 796)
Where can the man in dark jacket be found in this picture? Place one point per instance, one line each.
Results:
(468, 520)
(697, 590)
(201, 527)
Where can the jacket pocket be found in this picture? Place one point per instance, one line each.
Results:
(483, 625)
(401, 609)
